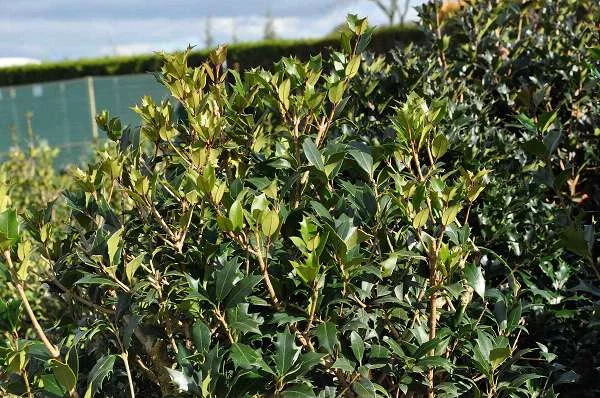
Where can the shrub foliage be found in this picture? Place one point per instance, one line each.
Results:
(341, 226)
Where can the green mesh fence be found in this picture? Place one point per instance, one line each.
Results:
(61, 112)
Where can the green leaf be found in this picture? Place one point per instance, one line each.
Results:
(299, 391)
(421, 218)
(259, 204)
(475, 279)
(91, 279)
(327, 335)
(545, 121)
(132, 266)
(353, 65)
(435, 362)
(64, 375)
(201, 337)
(364, 388)
(98, 374)
(356, 24)
(244, 356)
(358, 346)
(312, 154)
(9, 229)
(364, 160)
(224, 279)
(573, 239)
(344, 364)
(239, 319)
(389, 265)
(309, 270)
(284, 93)
(336, 91)
(236, 215)
(449, 214)
(439, 146)
(242, 290)
(114, 244)
(286, 353)
(50, 386)
(270, 223)
(498, 356)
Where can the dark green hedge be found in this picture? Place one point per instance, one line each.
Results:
(247, 55)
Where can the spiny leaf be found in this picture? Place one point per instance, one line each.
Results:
(201, 336)
(286, 353)
(224, 279)
(244, 356)
(98, 374)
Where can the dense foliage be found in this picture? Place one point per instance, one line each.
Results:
(347, 225)
(241, 56)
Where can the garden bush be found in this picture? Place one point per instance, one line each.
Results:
(340, 226)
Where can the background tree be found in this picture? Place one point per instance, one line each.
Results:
(208, 37)
(391, 8)
(269, 30)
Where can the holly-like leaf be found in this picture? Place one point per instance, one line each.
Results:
(201, 336)
(244, 356)
(99, 373)
(327, 335)
(286, 353)
(224, 279)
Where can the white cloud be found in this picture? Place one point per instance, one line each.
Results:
(59, 29)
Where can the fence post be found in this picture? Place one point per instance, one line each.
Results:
(92, 102)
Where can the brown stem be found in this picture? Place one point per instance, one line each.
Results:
(223, 321)
(265, 272)
(128, 371)
(54, 352)
(432, 331)
(27, 385)
(313, 306)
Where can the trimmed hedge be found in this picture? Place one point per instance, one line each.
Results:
(242, 56)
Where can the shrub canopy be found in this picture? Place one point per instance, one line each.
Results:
(339, 226)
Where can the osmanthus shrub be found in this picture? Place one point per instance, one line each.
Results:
(273, 246)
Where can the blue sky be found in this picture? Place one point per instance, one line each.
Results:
(69, 29)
